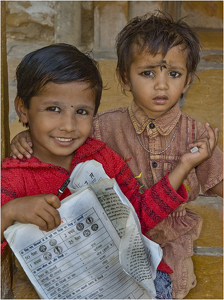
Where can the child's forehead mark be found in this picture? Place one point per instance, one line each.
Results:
(161, 64)
(164, 64)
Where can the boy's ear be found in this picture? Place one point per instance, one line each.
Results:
(21, 110)
(188, 83)
(125, 85)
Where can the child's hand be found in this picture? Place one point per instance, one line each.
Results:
(205, 149)
(21, 145)
(39, 210)
(189, 160)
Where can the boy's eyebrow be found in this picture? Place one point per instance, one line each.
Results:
(159, 64)
(49, 102)
(58, 103)
(175, 67)
(85, 107)
(149, 66)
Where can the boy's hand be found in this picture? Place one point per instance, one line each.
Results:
(21, 145)
(39, 210)
(205, 148)
(189, 160)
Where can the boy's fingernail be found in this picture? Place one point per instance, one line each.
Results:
(20, 156)
(28, 156)
(31, 151)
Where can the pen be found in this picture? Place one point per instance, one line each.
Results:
(63, 187)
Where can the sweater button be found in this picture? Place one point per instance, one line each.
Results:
(151, 125)
(154, 164)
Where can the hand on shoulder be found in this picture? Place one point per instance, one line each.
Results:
(21, 145)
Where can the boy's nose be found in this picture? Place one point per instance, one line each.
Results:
(161, 83)
(67, 123)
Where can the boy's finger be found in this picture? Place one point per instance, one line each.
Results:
(216, 130)
(11, 154)
(52, 217)
(25, 144)
(213, 135)
(15, 153)
(53, 200)
(29, 142)
(199, 143)
(18, 150)
(203, 147)
(25, 135)
(41, 223)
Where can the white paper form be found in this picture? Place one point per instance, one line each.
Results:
(80, 259)
(139, 257)
(91, 172)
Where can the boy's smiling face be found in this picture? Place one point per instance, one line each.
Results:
(60, 120)
(157, 82)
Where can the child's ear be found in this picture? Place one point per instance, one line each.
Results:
(188, 82)
(21, 110)
(125, 85)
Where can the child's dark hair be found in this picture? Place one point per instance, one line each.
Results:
(57, 63)
(155, 33)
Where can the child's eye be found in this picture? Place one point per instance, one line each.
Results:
(174, 74)
(81, 112)
(54, 108)
(147, 74)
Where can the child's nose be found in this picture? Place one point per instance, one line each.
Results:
(67, 123)
(161, 83)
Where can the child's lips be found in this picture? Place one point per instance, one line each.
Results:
(160, 99)
(63, 141)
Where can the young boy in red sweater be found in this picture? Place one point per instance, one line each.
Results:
(58, 93)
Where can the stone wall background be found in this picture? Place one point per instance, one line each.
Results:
(94, 24)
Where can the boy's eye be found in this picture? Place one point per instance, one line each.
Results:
(81, 112)
(54, 108)
(174, 74)
(147, 73)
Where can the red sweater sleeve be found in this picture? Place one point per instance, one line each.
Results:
(156, 203)
(152, 206)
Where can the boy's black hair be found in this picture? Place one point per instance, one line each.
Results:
(58, 63)
(155, 33)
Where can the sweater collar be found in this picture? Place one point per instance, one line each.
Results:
(164, 124)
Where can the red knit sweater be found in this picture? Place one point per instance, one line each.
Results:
(29, 177)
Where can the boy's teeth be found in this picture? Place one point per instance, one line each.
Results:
(63, 140)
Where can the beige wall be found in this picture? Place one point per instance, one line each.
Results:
(203, 14)
(81, 22)
(4, 89)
